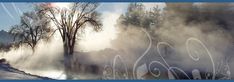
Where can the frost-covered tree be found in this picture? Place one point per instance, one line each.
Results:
(32, 28)
(134, 15)
(138, 16)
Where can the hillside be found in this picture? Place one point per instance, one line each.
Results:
(5, 37)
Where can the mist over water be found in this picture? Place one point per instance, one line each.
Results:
(45, 61)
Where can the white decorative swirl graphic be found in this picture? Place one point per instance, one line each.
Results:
(146, 51)
(196, 59)
(195, 49)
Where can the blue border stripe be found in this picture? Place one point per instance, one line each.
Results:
(116, 80)
(116, 0)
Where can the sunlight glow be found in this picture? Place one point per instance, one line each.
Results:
(95, 41)
(61, 5)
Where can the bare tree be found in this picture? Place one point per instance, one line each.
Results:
(33, 28)
(69, 22)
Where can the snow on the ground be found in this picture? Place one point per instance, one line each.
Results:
(8, 72)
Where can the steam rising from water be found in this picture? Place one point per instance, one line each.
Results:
(46, 60)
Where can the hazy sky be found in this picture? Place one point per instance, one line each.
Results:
(11, 12)
(110, 12)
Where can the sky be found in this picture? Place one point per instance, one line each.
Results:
(110, 12)
(11, 12)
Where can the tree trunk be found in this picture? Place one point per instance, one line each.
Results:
(68, 56)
